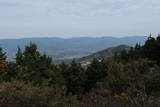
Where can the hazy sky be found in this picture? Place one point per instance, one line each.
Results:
(74, 18)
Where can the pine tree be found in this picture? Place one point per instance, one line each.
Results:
(3, 62)
(19, 56)
(95, 72)
(150, 48)
(158, 38)
(3, 65)
(32, 66)
(74, 78)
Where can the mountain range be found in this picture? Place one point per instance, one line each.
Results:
(66, 49)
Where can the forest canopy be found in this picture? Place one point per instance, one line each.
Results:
(128, 79)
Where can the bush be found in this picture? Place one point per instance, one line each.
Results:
(19, 94)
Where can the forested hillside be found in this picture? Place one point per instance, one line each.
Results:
(128, 79)
(104, 54)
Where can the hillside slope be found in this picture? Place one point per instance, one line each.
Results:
(104, 54)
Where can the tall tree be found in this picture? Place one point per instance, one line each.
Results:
(19, 56)
(3, 62)
(32, 66)
(74, 78)
(95, 72)
(3, 65)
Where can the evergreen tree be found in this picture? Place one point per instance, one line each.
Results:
(95, 72)
(124, 55)
(150, 49)
(3, 65)
(74, 78)
(32, 66)
(3, 62)
(158, 49)
(19, 56)
(158, 38)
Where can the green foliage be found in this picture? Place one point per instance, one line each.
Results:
(19, 94)
(150, 50)
(136, 98)
(74, 76)
(3, 65)
(131, 78)
(3, 62)
(32, 66)
(19, 56)
(94, 73)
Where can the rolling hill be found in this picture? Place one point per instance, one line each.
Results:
(104, 54)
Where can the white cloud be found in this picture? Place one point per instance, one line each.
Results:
(79, 17)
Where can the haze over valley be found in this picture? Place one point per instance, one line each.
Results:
(67, 49)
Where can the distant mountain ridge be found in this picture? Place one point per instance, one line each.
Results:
(104, 54)
(70, 48)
